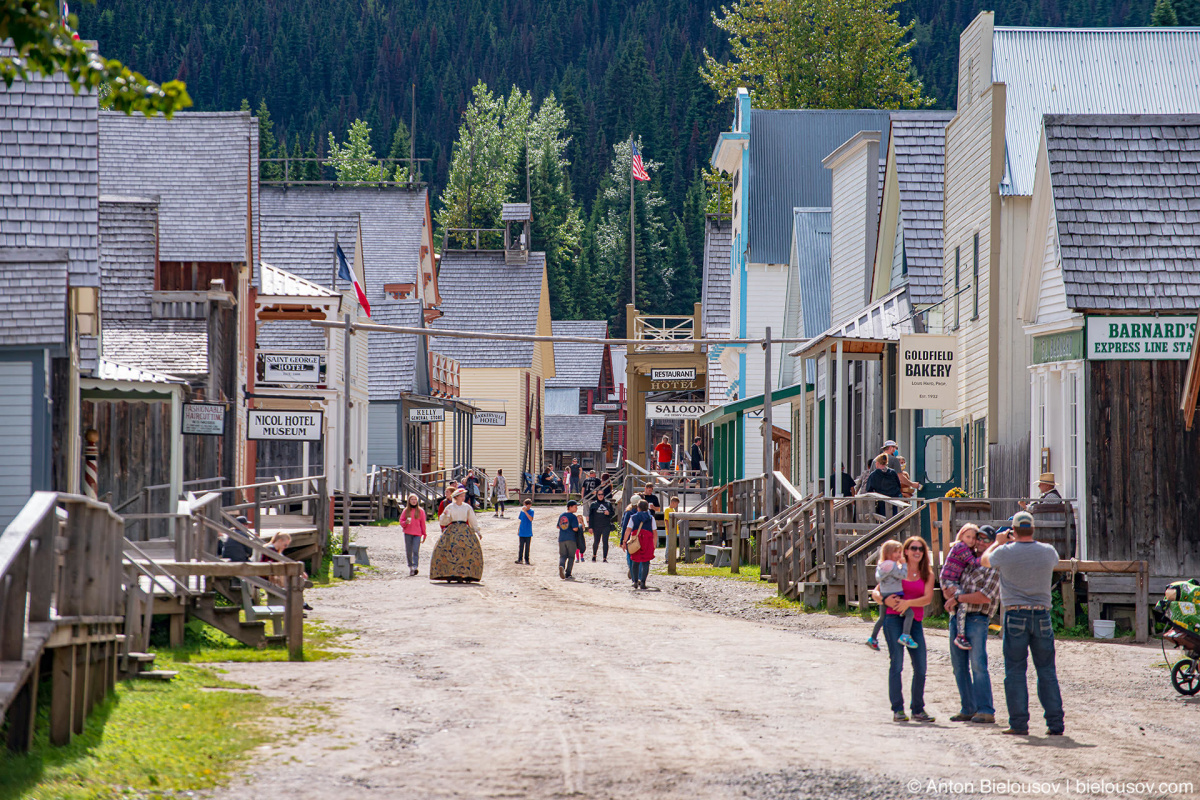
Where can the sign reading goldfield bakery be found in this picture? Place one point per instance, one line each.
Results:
(1140, 338)
(676, 410)
(295, 426)
(286, 368)
(928, 371)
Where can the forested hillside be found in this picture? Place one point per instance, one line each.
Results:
(614, 66)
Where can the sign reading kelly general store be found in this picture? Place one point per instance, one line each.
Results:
(1140, 338)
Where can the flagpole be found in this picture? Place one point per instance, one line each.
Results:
(632, 244)
(335, 262)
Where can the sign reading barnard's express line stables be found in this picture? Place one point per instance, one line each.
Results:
(927, 371)
(294, 426)
(1139, 338)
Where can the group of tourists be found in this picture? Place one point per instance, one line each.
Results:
(664, 455)
(982, 568)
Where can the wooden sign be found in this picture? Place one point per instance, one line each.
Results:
(677, 410)
(204, 419)
(675, 386)
(427, 415)
(928, 371)
(292, 426)
(290, 368)
(606, 406)
(1140, 338)
(688, 374)
(497, 418)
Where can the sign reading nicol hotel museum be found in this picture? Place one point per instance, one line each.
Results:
(928, 371)
(296, 426)
(1140, 338)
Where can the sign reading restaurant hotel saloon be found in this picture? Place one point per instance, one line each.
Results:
(926, 373)
(676, 410)
(427, 415)
(497, 418)
(290, 368)
(1140, 338)
(206, 419)
(294, 426)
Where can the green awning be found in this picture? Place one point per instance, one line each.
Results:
(753, 403)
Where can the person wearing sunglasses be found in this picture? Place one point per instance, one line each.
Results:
(918, 593)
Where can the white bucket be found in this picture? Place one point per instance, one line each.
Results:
(1104, 628)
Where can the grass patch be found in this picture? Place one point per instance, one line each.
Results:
(748, 572)
(204, 644)
(147, 737)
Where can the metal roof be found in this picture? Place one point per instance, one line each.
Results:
(887, 319)
(786, 151)
(1088, 71)
(812, 235)
(1127, 205)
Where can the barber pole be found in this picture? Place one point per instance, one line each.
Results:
(91, 455)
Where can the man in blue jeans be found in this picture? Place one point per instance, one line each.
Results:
(1026, 570)
(980, 589)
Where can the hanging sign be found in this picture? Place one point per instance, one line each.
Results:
(673, 374)
(294, 426)
(205, 419)
(927, 373)
(289, 368)
(675, 386)
(606, 406)
(677, 410)
(427, 415)
(498, 418)
(1140, 338)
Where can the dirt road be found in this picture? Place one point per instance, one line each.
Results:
(529, 686)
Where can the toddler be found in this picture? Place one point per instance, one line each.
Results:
(890, 573)
(961, 557)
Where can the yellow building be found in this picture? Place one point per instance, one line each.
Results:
(505, 380)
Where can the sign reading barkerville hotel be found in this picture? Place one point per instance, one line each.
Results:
(427, 415)
(928, 371)
(673, 374)
(676, 410)
(284, 368)
(1139, 338)
(498, 418)
(294, 426)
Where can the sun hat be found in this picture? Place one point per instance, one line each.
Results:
(1046, 477)
(890, 443)
(1022, 519)
(458, 491)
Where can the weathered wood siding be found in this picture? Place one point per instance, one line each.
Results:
(135, 452)
(1143, 469)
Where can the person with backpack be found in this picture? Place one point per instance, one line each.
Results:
(639, 543)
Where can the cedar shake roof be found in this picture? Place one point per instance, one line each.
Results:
(578, 365)
(919, 140)
(127, 247)
(303, 244)
(718, 265)
(33, 296)
(1127, 204)
(393, 227)
(575, 433)
(169, 346)
(199, 166)
(393, 356)
(482, 293)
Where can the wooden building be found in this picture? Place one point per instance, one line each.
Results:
(494, 291)
(49, 283)
(1108, 299)
(583, 380)
(1008, 78)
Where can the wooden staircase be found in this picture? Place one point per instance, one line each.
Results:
(362, 509)
(141, 666)
(228, 619)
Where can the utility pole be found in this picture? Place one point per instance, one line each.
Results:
(632, 247)
(346, 440)
(412, 137)
(768, 428)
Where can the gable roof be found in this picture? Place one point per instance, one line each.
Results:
(393, 225)
(1128, 209)
(33, 296)
(275, 282)
(49, 179)
(786, 151)
(718, 265)
(577, 365)
(919, 141)
(482, 293)
(575, 433)
(302, 244)
(199, 166)
(393, 357)
(127, 255)
(1094, 71)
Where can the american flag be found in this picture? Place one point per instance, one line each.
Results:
(639, 169)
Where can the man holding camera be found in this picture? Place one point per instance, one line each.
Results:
(1026, 569)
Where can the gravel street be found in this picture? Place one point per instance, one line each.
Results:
(529, 686)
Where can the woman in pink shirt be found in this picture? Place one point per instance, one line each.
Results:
(412, 522)
(918, 592)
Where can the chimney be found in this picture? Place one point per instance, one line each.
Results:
(854, 223)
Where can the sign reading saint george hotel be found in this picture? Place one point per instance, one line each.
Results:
(289, 368)
(926, 374)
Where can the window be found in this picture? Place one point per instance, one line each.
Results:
(978, 489)
(975, 277)
(1072, 426)
(957, 278)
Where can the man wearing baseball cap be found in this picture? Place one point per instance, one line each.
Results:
(890, 447)
(1026, 569)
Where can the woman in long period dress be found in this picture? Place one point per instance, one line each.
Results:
(457, 556)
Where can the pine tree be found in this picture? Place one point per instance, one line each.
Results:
(267, 146)
(400, 169)
(355, 161)
(1187, 12)
(1164, 15)
(312, 160)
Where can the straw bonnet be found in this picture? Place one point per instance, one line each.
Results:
(458, 491)
(1046, 477)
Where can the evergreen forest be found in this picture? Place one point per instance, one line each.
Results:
(574, 77)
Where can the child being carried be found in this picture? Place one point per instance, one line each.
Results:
(960, 558)
(890, 573)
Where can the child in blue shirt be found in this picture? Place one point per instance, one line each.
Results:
(524, 531)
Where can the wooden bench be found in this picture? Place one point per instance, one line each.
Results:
(256, 613)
